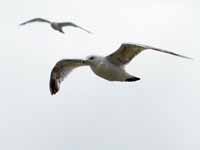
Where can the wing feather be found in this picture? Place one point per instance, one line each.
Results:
(61, 70)
(127, 52)
(63, 24)
(35, 20)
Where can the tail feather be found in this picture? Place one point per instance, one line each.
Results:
(61, 30)
(131, 79)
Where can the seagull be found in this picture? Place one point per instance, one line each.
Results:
(58, 26)
(111, 67)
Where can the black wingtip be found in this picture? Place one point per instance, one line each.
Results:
(54, 86)
(131, 79)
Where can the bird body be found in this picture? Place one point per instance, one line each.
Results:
(111, 67)
(103, 68)
(58, 26)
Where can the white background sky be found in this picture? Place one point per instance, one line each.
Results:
(161, 111)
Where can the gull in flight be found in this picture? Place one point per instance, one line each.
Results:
(111, 67)
(58, 26)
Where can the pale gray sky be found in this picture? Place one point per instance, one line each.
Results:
(161, 111)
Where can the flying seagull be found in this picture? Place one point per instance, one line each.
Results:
(58, 26)
(111, 67)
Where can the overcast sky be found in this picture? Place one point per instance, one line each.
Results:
(161, 111)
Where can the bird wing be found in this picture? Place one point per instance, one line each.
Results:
(35, 20)
(62, 24)
(61, 70)
(127, 52)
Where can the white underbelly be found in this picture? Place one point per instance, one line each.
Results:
(110, 72)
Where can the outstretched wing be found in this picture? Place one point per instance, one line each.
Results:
(127, 52)
(62, 24)
(35, 20)
(61, 70)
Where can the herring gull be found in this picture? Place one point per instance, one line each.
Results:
(111, 67)
(58, 26)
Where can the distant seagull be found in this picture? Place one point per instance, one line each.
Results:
(55, 25)
(110, 67)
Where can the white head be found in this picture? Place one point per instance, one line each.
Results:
(94, 60)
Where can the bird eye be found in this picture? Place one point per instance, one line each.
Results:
(92, 57)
